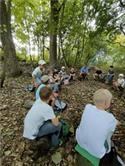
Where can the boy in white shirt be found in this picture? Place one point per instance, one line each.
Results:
(97, 126)
(41, 121)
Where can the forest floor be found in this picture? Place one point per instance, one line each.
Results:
(15, 150)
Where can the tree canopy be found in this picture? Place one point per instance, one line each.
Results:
(69, 32)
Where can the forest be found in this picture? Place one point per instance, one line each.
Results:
(63, 33)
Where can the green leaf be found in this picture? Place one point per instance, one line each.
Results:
(72, 129)
(56, 157)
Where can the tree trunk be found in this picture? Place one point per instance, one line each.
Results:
(43, 43)
(3, 75)
(7, 40)
(53, 32)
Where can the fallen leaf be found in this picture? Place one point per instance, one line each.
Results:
(56, 157)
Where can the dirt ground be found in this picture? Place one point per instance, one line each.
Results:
(15, 150)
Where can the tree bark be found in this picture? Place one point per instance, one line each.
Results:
(3, 75)
(7, 40)
(43, 51)
(53, 32)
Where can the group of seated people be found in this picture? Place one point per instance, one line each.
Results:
(55, 76)
(96, 126)
(98, 73)
(118, 84)
(105, 77)
(41, 120)
(54, 79)
(108, 77)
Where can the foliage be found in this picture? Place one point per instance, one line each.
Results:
(84, 28)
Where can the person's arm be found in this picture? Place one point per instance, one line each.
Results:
(55, 121)
(33, 81)
(118, 123)
(81, 70)
(34, 73)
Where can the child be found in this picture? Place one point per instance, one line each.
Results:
(98, 74)
(41, 121)
(119, 84)
(110, 75)
(97, 125)
(84, 71)
(56, 77)
(44, 82)
(72, 74)
(56, 103)
(63, 76)
(37, 73)
(62, 72)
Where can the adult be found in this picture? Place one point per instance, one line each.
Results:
(38, 72)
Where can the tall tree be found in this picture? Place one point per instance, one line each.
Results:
(8, 46)
(53, 31)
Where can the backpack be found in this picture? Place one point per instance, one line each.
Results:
(65, 128)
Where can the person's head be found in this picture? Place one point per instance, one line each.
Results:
(42, 64)
(102, 98)
(55, 73)
(121, 76)
(46, 94)
(63, 68)
(111, 67)
(72, 69)
(45, 79)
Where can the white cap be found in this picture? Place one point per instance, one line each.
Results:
(41, 62)
(63, 67)
(121, 75)
(45, 78)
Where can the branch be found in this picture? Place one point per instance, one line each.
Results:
(46, 47)
(63, 3)
(119, 44)
(115, 43)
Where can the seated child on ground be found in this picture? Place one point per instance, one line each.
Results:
(56, 103)
(44, 82)
(97, 125)
(56, 80)
(64, 77)
(72, 74)
(84, 71)
(56, 76)
(41, 121)
(110, 75)
(37, 73)
(97, 74)
(62, 72)
(119, 84)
